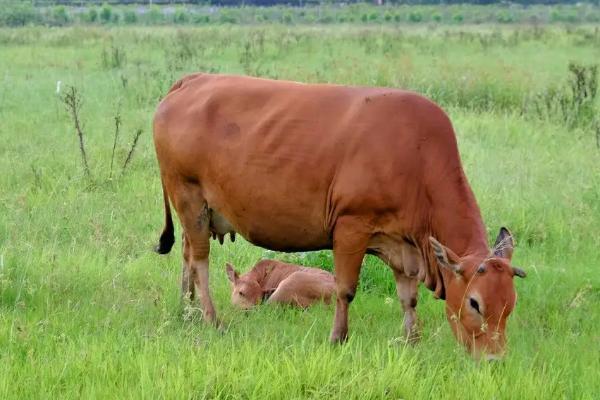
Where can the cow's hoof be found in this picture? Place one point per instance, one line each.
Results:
(413, 336)
(338, 338)
(211, 319)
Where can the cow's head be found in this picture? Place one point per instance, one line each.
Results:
(480, 295)
(245, 291)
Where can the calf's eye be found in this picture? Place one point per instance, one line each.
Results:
(474, 304)
(241, 293)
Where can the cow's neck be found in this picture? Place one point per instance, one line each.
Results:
(463, 232)
(456, 222)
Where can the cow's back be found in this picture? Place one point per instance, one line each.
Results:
(282, 160)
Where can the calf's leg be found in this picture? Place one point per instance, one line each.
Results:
(303, 289)
(285, 294)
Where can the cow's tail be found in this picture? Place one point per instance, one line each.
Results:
(167, 238)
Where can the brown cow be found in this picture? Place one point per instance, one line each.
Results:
(297, 167)
(279, 282)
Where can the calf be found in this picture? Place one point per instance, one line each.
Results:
(279, 282)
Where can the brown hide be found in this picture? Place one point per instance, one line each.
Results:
(297, 167)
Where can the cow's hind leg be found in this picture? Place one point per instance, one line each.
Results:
(195, 219)
(187, 284)
(406, 288)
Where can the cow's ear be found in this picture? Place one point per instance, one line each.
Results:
(504, 245)
(231, 273)
(519, 272)
(444, 256)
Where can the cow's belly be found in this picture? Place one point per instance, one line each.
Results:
(270, 225)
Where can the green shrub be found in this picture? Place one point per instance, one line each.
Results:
(92, 15)
(226, 17)
(592, 17)
(18, 14)
(287, 18)
(415, 16)
(387, 16)
(326, 19)
(130, 17)
(180, 16)
(569, 16)
(105, 13)
(458, 18)
(437, 17)
(60, 16)
(201, 19)
(504, 17)
(155, 15)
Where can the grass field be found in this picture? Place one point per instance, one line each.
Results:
(88, 311)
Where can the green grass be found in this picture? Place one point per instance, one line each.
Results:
(87, 310)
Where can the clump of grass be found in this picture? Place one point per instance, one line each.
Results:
(132, 148)
(574, 101)
(116, 138)
(183, 50)
(72, 100)
(583, 84)
(114, 57)
(248, 56)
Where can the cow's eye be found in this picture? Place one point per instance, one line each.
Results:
(241, 293)
(474, 304)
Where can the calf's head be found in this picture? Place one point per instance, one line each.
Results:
(480, 295)
(245, 290)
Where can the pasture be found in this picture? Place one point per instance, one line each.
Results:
(87, 310)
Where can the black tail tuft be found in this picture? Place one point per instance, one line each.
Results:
(165, 243)
(167, 238)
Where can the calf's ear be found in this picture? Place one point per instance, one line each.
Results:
(504, 245)
(231, 273)
(444, 256)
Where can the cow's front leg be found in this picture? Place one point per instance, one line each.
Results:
(406, 288)
(349, 246)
